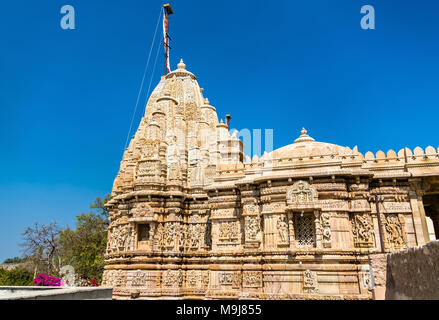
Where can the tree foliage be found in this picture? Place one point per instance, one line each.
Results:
(15, 277)
(48, 247)
(84, 247)
(13, 260)
(41, 246)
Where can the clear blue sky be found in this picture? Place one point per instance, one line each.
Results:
(67, 96)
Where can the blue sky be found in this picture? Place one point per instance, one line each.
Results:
(67, 96)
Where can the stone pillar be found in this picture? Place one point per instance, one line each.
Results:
(418, 211)
(423, 219)
(292, 236)
(377, 231)
(318, 229)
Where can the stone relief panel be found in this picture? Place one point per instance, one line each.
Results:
(140, 278)
(360, 205)
(115, 278)
(395, 237)
(363, 231)
(141, 209)
(194, 279)
(229, 232)
(172, 278)
(252, 279)
(302, 194)
(195, 239)
(282, 231)
(325, 223)
(120, 237)
(310, 284)
(252, 228)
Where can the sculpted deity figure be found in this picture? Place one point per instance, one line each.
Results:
(394, 232)
(364, 229)
(122, 237)
(326, 226)
(195, 236)
(282, 227)
(252, 227)
(170, 234)
(301, 193)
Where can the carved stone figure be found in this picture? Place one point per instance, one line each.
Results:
(325, 223)
(228, 231)
(282, 229)
(395, 236)
(252, 227)
(310, 281)
(302, 193)
(362, 229)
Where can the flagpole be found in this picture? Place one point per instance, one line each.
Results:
(167, 10)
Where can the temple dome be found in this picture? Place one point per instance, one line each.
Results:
(306, 146)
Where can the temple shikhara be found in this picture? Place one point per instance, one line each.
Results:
(192, 218)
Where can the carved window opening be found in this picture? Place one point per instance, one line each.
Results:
(305, 230)
(143, 232)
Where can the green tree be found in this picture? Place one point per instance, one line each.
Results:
(13, 260)
(15, 277)
(84, 247)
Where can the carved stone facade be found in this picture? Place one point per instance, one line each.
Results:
(189, 218)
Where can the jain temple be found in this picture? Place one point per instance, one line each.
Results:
(193, 218)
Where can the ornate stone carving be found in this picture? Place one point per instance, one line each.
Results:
(195, 236)
(236, 280)
(252, 227)
(229, 231)
(225, 278)
(172, 278)
(141, 210)
(282, 230)
(193, 278)
(305, 230)
(170, 234)
(119, 238)
(310, 284)
(396, 207)
(325, 222)
(363, 232)
(302, 194)
(395, 236)
(252, 279)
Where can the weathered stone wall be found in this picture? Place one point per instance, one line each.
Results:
(412, 274)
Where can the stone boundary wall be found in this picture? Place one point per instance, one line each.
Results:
(412, 274)
(52, 293)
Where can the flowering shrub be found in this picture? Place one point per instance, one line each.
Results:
(88, 283)
(47, 280)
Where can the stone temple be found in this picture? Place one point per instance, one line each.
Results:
(192, 218)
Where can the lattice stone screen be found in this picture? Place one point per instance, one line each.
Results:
(304, 230)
